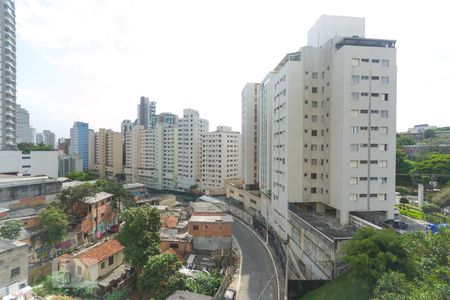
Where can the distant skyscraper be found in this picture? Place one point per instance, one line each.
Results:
(146, 110)
(79, 142)
(40, 139)
(8, 75)
(24, 132)
(63, 145)
(125, 127)
(49, 138)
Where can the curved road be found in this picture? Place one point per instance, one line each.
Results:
(258, 279)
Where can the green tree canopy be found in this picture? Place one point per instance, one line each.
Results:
(70, 198)
(434, 166)
(442, 199)
(140, 234)
(403, 168)
(122, 197)
(160, 276)
(204, 283)
(404, 140)
(27, 147)
(429, 133)
(84, 176)
(11, 229)
(372, 252)
(54, 223)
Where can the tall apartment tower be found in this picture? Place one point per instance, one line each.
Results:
(79, 142)
(191, 129)
(63, 145)
(146, 110)
(220, 159)
(8, 75)
(91, 149)
(108, 157)
(151, 155)
(332, 117)
(49, 138)
(250, 134)
(24, 132)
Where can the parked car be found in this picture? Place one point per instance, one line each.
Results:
(399, 225)
(114, 228)
(388, 223)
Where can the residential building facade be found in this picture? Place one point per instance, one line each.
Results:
(79, 142)
(49, 138)
(220, 159)
(69, 164)
(191, 129)
(33, 163)
(24, 133)
(250, 135)
(108, 157)
(8, 75)
(14, 270)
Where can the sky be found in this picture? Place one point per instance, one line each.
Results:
(91, 60)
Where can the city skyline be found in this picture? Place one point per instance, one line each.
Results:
(197, 59)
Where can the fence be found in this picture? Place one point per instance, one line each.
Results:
(224, 285)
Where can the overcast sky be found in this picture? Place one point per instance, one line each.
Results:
(91, 60)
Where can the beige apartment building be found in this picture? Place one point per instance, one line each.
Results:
(220, 159)
(108, 152)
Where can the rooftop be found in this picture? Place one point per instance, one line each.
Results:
(98, 197)
(356, 41)
(133, 185)
(202, 207)
(9, 180)
(327, 224)
(212, 219)
(99, 253)
(6, 245)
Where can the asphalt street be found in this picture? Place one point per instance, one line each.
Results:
(258, 279)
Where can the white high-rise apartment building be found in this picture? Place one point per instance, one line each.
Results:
(49, 138)
(220, 159)
(8, 75)
(250, 135)
(151, 154)
(191, 129)
(24, 132)
(327, 124)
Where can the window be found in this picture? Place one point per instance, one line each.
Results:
(102, 265)
(384, 79)
(365, 60)
(313, 132)
(314, 118)
(353, 197)
(314, 104)
(383, 130)
(354, 147)
(15, 272)
(315, 75)
(314, 162)
(382, 197)
(79, 269)
(375, 61)
(364, 77)
(383, 180)
(355, 79)
(385, 63)
(353, 164)
(362, 195)
(385, 97)
(314, 89)
(195, 227)
(313, 176)
(354, 113)
(111, 260)
(313, 147)
(384, 113)
(173, 245)
(364, 111)
(363, 178)
(313, 190)
(355, 96)
(383, 147)
(375, 78)
(353, 180)
(364, 94)
(355, 61)
(354, 129)
(382, 163)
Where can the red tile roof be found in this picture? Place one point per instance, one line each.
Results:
(98, 253)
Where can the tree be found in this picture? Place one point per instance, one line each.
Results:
(11, 229)
(54, 223)
(434, 166)
(84, 176)
(393, 285)
(429, 133)
(121, 198)
(204, 283)
(404, 200)
(403, 168)
(160, 276)
(404, 140)
(27, 147)
(140, 234)
(72, 197)
(372, 252)
(442, 199)
(430, 208)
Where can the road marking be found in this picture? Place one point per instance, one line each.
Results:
(268, 250)
(238, 288)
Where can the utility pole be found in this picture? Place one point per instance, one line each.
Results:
(286, 276)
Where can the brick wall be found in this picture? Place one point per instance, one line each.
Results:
(210, 229)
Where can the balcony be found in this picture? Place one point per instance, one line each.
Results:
(10, 91)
